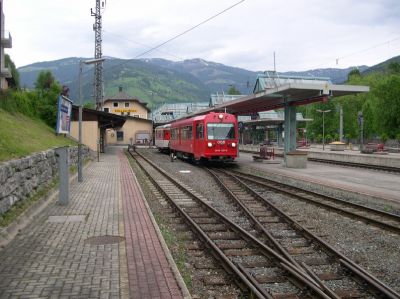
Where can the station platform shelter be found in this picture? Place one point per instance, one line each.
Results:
(274, 91)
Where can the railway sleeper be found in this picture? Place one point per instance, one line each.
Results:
(230, 244)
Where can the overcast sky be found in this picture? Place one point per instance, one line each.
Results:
(305, 34)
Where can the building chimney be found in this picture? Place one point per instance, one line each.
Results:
(120, 89)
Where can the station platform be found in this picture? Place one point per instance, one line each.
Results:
(378, 187)
(103, 244)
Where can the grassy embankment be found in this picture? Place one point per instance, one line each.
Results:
(21, 136)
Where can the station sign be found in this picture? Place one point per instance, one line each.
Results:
(120, 110)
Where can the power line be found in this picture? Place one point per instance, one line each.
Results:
(337, 59)
(190, 29)
(140, 44)
(173, 38)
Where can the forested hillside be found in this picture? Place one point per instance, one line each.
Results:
(380, 108)
(158, 80)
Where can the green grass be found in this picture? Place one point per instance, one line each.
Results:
(21, 136)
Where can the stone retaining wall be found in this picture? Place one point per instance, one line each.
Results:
(23, 177)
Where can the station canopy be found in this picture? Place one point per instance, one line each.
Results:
(273, 91)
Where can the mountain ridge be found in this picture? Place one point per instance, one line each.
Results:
(158, 80)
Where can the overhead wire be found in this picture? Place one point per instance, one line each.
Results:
(172, 38)
(190, 29)
(337, 59)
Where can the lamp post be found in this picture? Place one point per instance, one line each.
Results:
(323, 126)
(81, 63)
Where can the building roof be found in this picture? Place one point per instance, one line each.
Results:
(106, 120)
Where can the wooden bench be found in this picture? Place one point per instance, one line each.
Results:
(265, 154)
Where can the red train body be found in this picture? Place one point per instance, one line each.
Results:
(213, 136)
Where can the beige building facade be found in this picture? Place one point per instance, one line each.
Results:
(137, 128)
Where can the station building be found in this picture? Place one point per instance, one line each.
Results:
(138, 126)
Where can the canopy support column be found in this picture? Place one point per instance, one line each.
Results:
(290, 129)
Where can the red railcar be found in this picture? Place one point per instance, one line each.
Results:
(162, 137)
(213, 136)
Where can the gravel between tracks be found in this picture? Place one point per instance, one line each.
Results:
(376, 250)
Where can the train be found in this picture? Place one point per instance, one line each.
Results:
(162, 137)
(212, 136)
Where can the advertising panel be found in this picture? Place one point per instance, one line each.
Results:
(63, 115)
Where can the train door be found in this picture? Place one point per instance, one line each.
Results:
(199, 140)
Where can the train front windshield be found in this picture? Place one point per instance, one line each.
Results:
(220, 131)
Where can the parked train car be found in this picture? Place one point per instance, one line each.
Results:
(162, 137)
(213, 136)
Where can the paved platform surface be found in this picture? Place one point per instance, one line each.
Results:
(375, 183)
(55, 256)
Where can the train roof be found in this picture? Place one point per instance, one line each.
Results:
(163, 126)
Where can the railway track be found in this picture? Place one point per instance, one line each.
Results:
(265, 271)
(334, 273)
(372, 216)
(259, 270)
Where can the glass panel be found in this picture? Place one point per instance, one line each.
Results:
(220, 131)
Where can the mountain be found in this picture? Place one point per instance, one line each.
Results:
(216, 77)
(337, 76)
(150, 83)
(383, 66)
(158, 80)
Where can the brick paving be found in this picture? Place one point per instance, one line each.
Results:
(50, 258)
(149, 273)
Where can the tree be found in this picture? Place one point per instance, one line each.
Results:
(233, 91)
(394, 68)
(48, 91)
(13, 82)
(353, 73)
(44, 80)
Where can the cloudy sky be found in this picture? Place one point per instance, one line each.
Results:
(305, 34)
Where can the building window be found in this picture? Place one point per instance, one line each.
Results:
(128, 113)
(107, 110)
(136, 116)
(126, 104)
(120, 135)
(122, 113)
(115, 104)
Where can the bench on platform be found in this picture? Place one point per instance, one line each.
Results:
(265, 154)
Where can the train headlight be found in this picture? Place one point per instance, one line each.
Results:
(209, 144)
(221, 116)
(233, 144)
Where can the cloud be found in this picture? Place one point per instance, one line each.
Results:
(304, 34)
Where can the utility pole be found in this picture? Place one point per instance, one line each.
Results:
(323, 126)
(341, 123)
(98, 85)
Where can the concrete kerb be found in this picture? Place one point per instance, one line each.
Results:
(330, 190)
(8, 233)
(174, 268)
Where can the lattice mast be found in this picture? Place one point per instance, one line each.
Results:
(98, 82)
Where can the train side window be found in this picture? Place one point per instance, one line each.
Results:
(174, 134)
(199, 131)
(187, 132)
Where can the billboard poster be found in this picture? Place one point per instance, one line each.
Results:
(63, 115)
